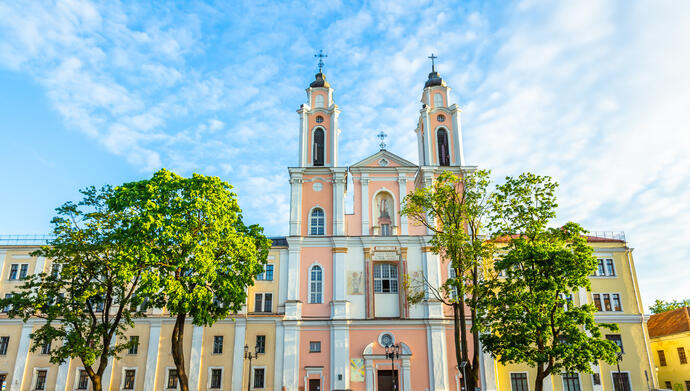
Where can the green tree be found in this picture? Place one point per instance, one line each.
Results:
(454, 209)
(527, 317)
(203, 256)
(85, 300)
(660, 306)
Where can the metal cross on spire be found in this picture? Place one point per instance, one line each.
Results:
(432, 57)
(320, 56)
(382, 136)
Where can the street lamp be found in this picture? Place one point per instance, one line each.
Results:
(393, 352)
(463, 364)
(250, 355)
(619, 358)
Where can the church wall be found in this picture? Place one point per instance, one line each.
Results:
(322, 198)
(355, 282)
(327, 136)
(354, 221)
(311, 332)
(322, 256)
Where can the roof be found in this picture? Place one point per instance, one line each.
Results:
(391, 160)
(278, 241)
(320, 81)
(590, 239)
(434, 80)
(669, 322)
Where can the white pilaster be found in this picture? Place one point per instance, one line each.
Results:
(291, 356)
(365, 204)
(457, 136)
(439, 356)
(339, 179)
(152, 354)
(283, 277)
(61, 380)
(406, 373)
(402, 192)
(278, 368)
(340, 356)
(548, 383)
(338, 275)
(238, 353)
(428, 139)
(22, 355)
(3, 255)
(487, 370)
(40, 265)
(108, 376)
(195, 358)
(303, 133)
(295, 201)
(293, 271)
(432, 273)
(369, 374)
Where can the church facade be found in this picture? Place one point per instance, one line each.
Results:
(332, 297)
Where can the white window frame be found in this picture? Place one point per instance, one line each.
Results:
(439, 102)
(325, 221)
(262, 276)
(263, 302)
(601, 298)
(222, 344)
(167, 379)
(122, 380)
(579, 381)
(210, 372)
(605, 257)
(75, 386)
(314, 351)
(510, 380)
(34, 379)
(397, 278)
(138, 345)
(319, 103)
(254, 368)
(256, 342)
(19, 271)
(613, 385)
(323, 278)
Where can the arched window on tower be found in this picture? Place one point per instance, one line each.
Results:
(315, 285)
(318, 151)
(438, 100)
(318, 101)
(442, 144)
(317, 223)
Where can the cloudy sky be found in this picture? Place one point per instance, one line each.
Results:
(593, 93)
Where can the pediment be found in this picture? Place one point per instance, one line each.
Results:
(383, 158)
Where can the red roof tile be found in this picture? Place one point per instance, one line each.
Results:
(669, 322)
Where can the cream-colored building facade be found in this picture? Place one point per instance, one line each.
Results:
(214, 354)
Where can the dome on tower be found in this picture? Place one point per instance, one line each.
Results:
(434, 80)
(320, 81)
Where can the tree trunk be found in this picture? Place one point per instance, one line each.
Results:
(178, 352)
(469, 368)
(456, 335)
(539, 380)
(96, 380)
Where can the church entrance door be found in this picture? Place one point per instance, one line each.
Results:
(314, 385)
(385, 380)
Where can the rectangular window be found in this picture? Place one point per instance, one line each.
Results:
(129, 379)
(83, 382)
(172, 378)
(596, 298)
(600, 267)
(8, 307)
(610, 269)
(41, 376)
(681, 355)
(621, 381)
(45, 349)
(385, 230)
(668, 385)
(216, 377)
(571, 382)
(662, 358)
(385, 278)
(261, 344)
(55, 269)
(616, 338)
(218, 344)
(518, 382)
(259, 377)
(687, 385)
(596, 379)
(268, 302)
(263, 302)
(607, 301)
(24, 270)
(134, 347)
(4, 343)
(267, 275)
(258, 302)
(315, 347)
(616, 302)
(14, 268)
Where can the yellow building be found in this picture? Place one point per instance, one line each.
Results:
(214, 354)
(616, 294)
(669, 334)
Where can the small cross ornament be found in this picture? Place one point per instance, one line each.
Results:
(382, 136)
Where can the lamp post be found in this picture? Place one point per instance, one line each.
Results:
(463, 364)
(619, 358)
(393, 352)
(250, 355)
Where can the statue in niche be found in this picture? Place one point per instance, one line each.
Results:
(383, 209)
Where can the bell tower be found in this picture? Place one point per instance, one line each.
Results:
(439, 136)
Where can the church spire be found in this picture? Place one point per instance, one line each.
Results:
(434, 78)
(320, 78)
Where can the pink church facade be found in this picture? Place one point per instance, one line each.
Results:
(343, 277)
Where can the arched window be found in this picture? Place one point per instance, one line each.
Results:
(317, 222)
(318, 101)
(438, 100)
(318, 147)
(442, 143)
(315, 285)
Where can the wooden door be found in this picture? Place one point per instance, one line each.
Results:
(385, 380)
(314, 385)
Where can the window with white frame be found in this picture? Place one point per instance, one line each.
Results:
(216, 378)
(8, 307)
(317, 222)
(385, 278)
(607, 302)
(267, 274)
(571, 382)
(518, 381)
(82, 380)
(129, 378)
(316, 285)
(616, 338)
(259, 377)
(218, 344)
(41, 378)
(318, 101)
(4, 343)
(134, 345)
(438, 100)
(453, 293)
(18, 271)
(260, 344)
(314, 346)
(45, 349)
(621, 381)
(263, 302)
(606, 267)
(172, 378)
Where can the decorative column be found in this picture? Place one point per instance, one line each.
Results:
(303, 135)
(428, 139)
(339, 178)
(40, 265)
(63, 372)
(22, 355)
(195, 358)
(402, 192)
(152, 354)
(291, 356)
(278, 368)
(364, 179)
(459, 155)
(487, 370)
(238, 353)
(339, 305)
(295, 201)
(369, 374)
(340, 355)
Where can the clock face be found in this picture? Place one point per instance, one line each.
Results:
(319, 119)
(441, 118)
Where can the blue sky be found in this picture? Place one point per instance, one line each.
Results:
(593, 93)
